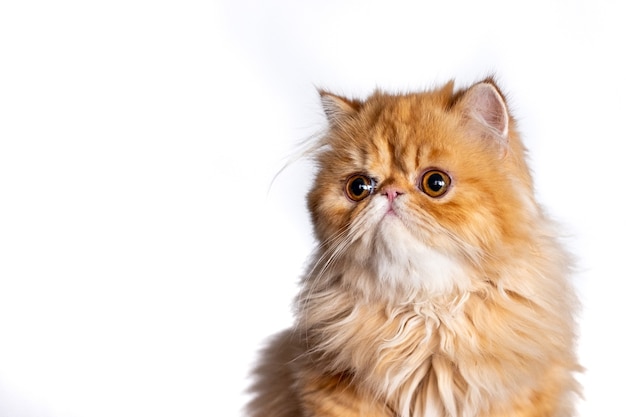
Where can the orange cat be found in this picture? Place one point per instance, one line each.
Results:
(439, 287)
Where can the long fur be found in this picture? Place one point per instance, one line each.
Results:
(458, 305)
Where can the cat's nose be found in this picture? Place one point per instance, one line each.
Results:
(392, 192)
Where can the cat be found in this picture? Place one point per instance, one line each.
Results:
(439, 286)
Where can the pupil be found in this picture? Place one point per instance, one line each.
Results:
(436, 182)
(358, 186)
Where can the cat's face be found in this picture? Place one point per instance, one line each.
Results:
(416, 188)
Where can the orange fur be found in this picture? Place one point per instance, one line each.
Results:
(413, 305)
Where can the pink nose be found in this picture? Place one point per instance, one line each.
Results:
(392, 192)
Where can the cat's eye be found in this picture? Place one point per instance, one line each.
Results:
(359, 186)
(435, 183)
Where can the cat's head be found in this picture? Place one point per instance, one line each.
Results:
(416, 189)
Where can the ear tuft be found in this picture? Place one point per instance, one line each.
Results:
(337, 108)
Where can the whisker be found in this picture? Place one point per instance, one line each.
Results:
(337, 244)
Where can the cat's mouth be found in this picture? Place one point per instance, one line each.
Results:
(391, 211)
(392, 219)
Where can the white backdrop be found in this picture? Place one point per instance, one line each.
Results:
(144, 256)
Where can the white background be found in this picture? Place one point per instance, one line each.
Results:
(144, 256)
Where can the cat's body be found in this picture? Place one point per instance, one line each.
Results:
(439, 287)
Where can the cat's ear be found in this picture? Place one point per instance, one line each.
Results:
(337, 108)
(485, 111)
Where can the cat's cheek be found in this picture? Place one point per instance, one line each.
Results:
(330, 214)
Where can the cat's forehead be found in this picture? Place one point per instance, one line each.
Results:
(400, 132)
(408, 119)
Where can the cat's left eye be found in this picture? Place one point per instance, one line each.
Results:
(435, 183)
(358, 187)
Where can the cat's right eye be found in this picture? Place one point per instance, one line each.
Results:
(359, 186)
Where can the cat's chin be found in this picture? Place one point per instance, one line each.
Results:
(403, 260)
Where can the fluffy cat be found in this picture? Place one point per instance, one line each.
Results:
(439, 287)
